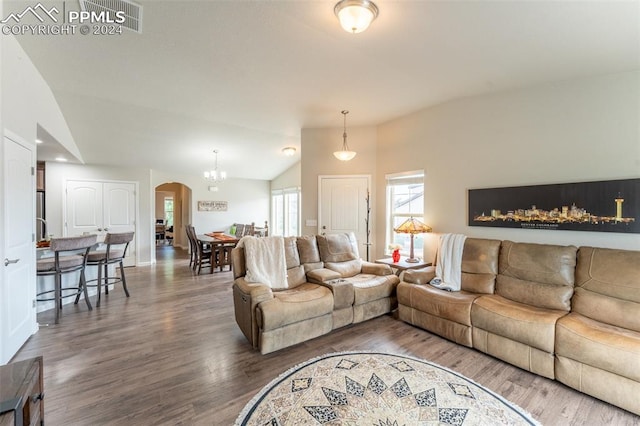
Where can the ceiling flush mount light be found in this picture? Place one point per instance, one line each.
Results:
(215, 175)
(355, 16)
(344, 154)
(289, 151)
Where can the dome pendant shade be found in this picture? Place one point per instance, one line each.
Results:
(345, 154)
(355, 16)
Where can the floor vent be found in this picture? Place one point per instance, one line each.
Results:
(133, 11)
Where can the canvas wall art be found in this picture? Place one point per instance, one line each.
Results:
(212, 206)
(604, 206)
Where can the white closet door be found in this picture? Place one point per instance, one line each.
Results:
(85, 212)
(99, 207)
(120, 213)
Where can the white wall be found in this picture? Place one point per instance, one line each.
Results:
(58, 173)
(28, 99)
(290, 178)
(317, 150)
(586, 130)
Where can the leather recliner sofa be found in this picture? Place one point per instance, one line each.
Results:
(568, 314)
(329, 286)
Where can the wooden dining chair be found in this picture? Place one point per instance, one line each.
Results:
(202, 252)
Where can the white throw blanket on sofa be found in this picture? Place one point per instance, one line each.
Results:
(449, 262)
(265, 261)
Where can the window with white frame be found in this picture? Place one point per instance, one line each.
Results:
(285, 212)
(168, 211)
(405, 199)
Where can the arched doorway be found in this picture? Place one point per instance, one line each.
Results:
(173, 206)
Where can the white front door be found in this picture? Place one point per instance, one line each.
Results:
(99, 207)
(18, 286)
(343, 206)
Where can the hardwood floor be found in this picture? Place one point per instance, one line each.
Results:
(172, 354)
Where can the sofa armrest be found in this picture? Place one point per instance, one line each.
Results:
(258, 291)
(419, 276)
(322, 276)
(343, 293)
(376, 269)
(246, 297)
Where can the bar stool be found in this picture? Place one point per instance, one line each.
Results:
(77, 249)
(115, 253)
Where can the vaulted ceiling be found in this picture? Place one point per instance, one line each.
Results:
(244, 77)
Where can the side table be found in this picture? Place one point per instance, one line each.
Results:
(21, 393)
(402, 265)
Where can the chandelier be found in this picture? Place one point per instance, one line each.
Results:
(344, 154)
(215, 175)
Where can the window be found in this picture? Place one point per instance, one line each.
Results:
(285, 212)
(168, 211)
(405, 199)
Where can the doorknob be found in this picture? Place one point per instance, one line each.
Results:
(7, 262)
(99, 229)
(106, 229)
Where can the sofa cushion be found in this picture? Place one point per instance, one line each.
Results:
(338, 247)
(539, 275)
(608, 286)
(522, 323)
(293, 305)
(603, 346)
(480, 265)
(372, 287)
(308, 249)
(345, 269)
(291, 252)
(296, 276)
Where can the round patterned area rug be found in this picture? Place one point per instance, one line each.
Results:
(377, 389)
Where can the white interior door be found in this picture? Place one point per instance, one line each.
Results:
(18, 286)
(119, 204)
(85, 212)
(342, 205)
(100, 207)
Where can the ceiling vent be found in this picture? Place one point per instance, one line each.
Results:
(132, 11)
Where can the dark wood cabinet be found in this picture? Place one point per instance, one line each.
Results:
(22, 393)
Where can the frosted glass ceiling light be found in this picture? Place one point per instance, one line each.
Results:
(289, 151)
(344, 154)
(215, 175)
(355, 16)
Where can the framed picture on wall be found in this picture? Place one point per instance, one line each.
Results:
(212, 206)
(604, 206)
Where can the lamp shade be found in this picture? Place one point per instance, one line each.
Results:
(412, 226)
(344, 155)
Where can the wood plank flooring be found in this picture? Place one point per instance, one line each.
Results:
(172, 354)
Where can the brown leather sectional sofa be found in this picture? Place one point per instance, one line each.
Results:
(565, 313)
(329, 286)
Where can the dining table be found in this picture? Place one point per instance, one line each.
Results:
(221, 245)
